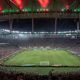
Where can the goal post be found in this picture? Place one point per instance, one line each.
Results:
(44, 63)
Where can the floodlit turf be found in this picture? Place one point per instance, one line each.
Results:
(35, 56)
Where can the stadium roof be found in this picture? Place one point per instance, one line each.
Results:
(71, 7)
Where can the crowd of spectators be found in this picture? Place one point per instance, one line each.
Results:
(70, 44)
(61, 43)
(31, 76)
(7, 49)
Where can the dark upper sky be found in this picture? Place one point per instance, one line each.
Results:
(47, 25)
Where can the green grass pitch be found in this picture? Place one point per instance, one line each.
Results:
(35, 56)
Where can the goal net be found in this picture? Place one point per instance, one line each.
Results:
(44, 63)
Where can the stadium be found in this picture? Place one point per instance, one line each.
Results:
(40, 40)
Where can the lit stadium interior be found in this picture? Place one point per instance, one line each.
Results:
(40, 39)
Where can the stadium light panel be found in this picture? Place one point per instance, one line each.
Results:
(63, 9)
(7, 30)
(67, 6)
(43, 3)
(75, 10)
(18, 3)
(1, 7)
(78, 9)
(26, 9)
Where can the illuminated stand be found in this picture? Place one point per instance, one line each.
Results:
(18, 3)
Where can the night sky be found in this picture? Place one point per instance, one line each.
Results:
(41, 25)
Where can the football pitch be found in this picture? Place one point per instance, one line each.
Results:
(29, 57)
(43, 57)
